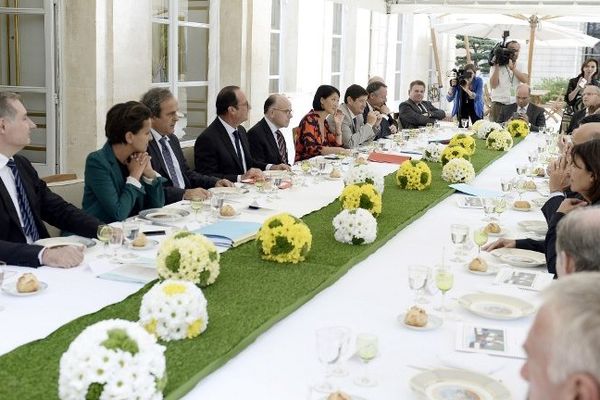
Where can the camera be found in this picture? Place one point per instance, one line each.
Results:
(459, 75)
(500, 54)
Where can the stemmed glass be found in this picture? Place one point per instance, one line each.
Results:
(458, 235)
(322, 165)
(480, 236)
(417, 281)
(506, 185)
(104, 233)
(533, 158)
(444, 280)
(197, 204)
(314, 172)
(366, 348)
(330, 343)
(216, 202)
(115, 241)
(464, 122)
(500, 206)
(131, 230)
(489, 205)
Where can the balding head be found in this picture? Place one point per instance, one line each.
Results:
(278, 110)
(523, 92)
(586, 132)
(577, 242)
(375, 78)
(590, 95)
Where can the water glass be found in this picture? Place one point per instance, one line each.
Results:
(417, 281)
(489, 205)
(464, 122)
(458, 235)
(506, 185)
(216, 202)
(330, 347)
(196, 204)
(115, 241)
(131, 230)
(103, 233)
(521, 169)
(367, 347)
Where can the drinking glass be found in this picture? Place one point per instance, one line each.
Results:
(500, 206)
(489, 205)
(197, 204)
(216, 202)
(322, 164)
(480, 236)
(458, 235)
(506, 185)
(276, 183)
(444, 280)
(532, 157)
(314, 172)
(305, 165)
(417, 280)
(103, 233)
(115, 241)
(521, 169)
(464, 122)
(429, 127)
(2, 272)
(330, 344)
(131, 231)
(366, 348)
(520, 187)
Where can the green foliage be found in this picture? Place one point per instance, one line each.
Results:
(282, 246)
(118, 339)
(172, 261)
(94, 391)
(556, 87)
(480, 50)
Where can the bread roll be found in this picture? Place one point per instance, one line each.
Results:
(416, 316)
(335, 173)
(522, 204)
(227, 211)
(492, 227)
(140, 241)
(530, 185)
(339, 396)
(27, 283)
(478, 264)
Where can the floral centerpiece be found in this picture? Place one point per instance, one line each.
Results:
(499, 140)
(363, 173)
(355, 227)
(483, 128)
(458, 170)
(284, 238)
(433, 152)
(173, 310)
(465, 141)
(413, 175)
(361, 196)
(518, 128)
(451, 152)
(113, 359)
(190, 257)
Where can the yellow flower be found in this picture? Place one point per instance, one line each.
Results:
(465, 141)
(451, 152)
(172, 289)
(361, 196)
(518, 128)
(413, 175)
(151, 326)
(195, 328)
(284, 238)
(499, 140)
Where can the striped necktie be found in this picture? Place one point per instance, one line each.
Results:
(282, 147)
(169, 161)
(29, 227)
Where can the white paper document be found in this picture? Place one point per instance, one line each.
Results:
(524, 278)
(488, 339)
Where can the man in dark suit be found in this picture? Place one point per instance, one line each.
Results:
(222, 150)
(524, 110)
(267, 143)
(377, 97)
(591, 102)
(166, 153)
(26, 201)
(415, 111)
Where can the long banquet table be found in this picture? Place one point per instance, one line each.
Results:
(282, 362)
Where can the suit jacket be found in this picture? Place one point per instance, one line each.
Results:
(106, 194)
(263, 145)
(352, 135)
(411, 117)
(383, 130)
(46, 206)
(576, 119)
(536, 116)
(215, 154)
(191, 178)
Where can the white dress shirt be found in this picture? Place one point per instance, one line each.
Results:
(9, 182)
(230, 129)
(176, 165)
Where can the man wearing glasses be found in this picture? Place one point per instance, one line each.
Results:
(267, 143)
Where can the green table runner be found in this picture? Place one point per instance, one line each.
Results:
(249, 297)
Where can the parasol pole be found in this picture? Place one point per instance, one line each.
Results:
(533, 23)
(468, 49)
(436, 56)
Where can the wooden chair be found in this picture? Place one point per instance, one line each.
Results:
(188, 154)
(71, 190)
(59, 178)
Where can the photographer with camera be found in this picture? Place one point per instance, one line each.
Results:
(466, 90)
(505, 76)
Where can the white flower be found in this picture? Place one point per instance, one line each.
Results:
(458, 170)
(363, 173)
(117, 358)
(174, 310)
(500, 140)
(355, 226)
(482, 128)
(433, 152)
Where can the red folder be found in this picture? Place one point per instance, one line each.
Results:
(387, 158)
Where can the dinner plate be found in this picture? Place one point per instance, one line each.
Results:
(520, 257)
(166, 214)
(522, 209)
(65, 241)
(150, 244)
(433, 322)
(536, 226)
(446, 384)
(491, 270)
(330, 178)
(277, 173)
(227, 191)
(469, 202)
(352, 397)
(496, 306)
(539, 201)
(11, 288)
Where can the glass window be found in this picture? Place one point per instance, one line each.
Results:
(160, 9)
(335, 81)
(336, 45)
(276, 14)
(275, 56)
(22, 46)
(23, 4)
(337, 19)
(274, 64)
(35, 103)
(193, 54)
(274, 85)
(160, 53)
(193, 105)
(194, 11)
(398, 64)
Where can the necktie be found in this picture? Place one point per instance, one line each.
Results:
(522, 110)
(422, 108)
(354, 121)
(238, 149)
(169, 161)
(282, 147)
(29, 227)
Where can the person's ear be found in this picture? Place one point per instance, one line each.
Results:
(129, 137)
(582, 386)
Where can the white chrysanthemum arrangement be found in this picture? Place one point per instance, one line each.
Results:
(458, 170)
(363, 173)
(433, 152)
(113, 359)
(499, 140)
(174, 310)
(355, 227)
(483, 128)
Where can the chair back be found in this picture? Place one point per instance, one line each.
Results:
(59, 178)
(295, 133)
(71, 191)
(188, 154)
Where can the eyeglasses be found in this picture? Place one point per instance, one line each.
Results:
(285, 110)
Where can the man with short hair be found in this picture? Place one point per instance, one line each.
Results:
(376, 101)
(523, 109)
(167, 157)
(504, 80)
(591, 101)
(222, 150)
(267, 143)
(578, 241)
(415, 111)
(563, 350)
(355, 129)
(26, 201)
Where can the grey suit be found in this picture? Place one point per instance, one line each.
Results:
(353, 135)
(536, 116)
(412, 117)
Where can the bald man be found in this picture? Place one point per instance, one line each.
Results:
(524, 110)
(267, 143)
(591, 101)
(578, 242)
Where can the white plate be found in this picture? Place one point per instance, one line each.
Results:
(536, 226)
(496, 306)
(228, 191)
(539, 201)
(150, 244)
(502, 232)
(446, 384)
(329, 178)
(352, 397)
(520, 257)
(491, 270)
(523, 209)
(65, 241)
(167, 214)
(11, 288)
(433, 322)
(469, 202)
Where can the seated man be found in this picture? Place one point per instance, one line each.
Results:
(523, 109)
(267, 143)
(377, 91)
(562, 346)
(355, 131)
(27, 201)
(578, 242)
(167, 156)
(415, 111)
(223, 150)
(591, 102)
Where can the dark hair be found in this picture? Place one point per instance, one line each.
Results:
(375, 86)
(586, 62)
(513, 41)
(417, 83)
(354, 92)
(471, 67)
(589, 153)
(226, 98)
(269, 102)
(323, 92)
(154, 97)
(123, 118)
(6, 108)
(590, 118)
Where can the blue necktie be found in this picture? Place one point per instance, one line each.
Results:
(29, 227)
(169, 162)
(238, 149)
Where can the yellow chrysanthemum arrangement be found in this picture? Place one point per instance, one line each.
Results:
(174, 310)
(465, 141)
(413, 175)
(190, 257)
(518, 128)
(361, 196)
(451, 152)
(284, 238)
(499, 140)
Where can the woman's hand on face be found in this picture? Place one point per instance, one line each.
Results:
(558, 173)
(135, 166)
(338, 117)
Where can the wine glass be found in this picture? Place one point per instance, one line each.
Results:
(533, 158)
(115, 241)
(197, 204)
(480, 236)
(506, 184)
(444, 280)
(103, 233)
(458, 235)
(314, 171)
(366, 348)
(417, 280)
(464, 122)
(500, 206)
(329, 349)
(489, 205)
(521, 169)
(305, 166)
